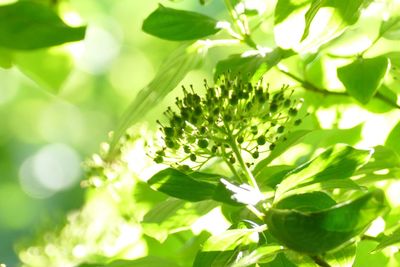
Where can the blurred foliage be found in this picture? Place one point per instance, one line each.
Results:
(325, 194)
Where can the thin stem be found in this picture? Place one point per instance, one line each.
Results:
(310, 87)
(320, 261)
(236, 151)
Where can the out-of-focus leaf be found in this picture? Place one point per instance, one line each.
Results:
(148, 261)
(5, 58)
(335, 163)
(312, 11)
(316, 232)
(389, 240)
(29, 25)
(285, 7)
(344, 257)
(281, 147)
(393, 138)
(251, 68)
(171, 72)
(384, 164)
(220, 250)
(312, 201)
(390, 29)
(179, 25)
(280, 261)
(263, 254)
(173, 215)
(52, 71)
(363, 77)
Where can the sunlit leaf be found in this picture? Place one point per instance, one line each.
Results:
(389, 240)
(262, 254)
(317, 232)
(363, 77)
(173, 215)
(390, 29)
(312, 11)
(179, 25)
(30, 25)
(172, 71)
(384, 164)
(393, 138)
(220, 250)
(148, 261)
(343, 257)
(280, 148)
(51, 73)
(5, 58)
(335, 163)
(285, 7)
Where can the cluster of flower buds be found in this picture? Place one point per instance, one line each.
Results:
(232, 116)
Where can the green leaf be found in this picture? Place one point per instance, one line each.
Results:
(312, 201)
(263, 254)
(197, 186)
(179, 25)
(312, 11)
(180, 185)
(292, 139)
(363, 77)
(272, 175)
(173, 215)
(51, 73)
(29, 25)
(393, 138)
(389, 240)
(343, 257)
(390, 29)
(148, 261)
(335, 163)
(284, 8)
(320, 231)
(6, 58)
(221, 250)
(172, 71)
(251, 68)
(384, 164)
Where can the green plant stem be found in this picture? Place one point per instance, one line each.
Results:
(236, 151)
(310, 87)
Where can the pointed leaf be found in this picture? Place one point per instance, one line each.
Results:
(179, 25)
(263, 254)
(390, 29)
(317, 232)
(29, 25)
(363, 77)
(312, 11)
(392, 239)
(335, 163)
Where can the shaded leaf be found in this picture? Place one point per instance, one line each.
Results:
(251, 68)
(320, 231)
(363, 77)
(6, 58)
(178, 25)
(390, 29)
(335, 163)
(180, 185)
(29, 25)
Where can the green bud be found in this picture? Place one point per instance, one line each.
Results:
(202, 143)
(261, 140)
